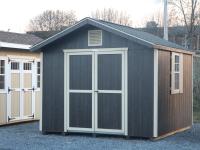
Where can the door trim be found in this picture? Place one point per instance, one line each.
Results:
(66, 88)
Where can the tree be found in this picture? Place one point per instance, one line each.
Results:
(112, 15)
(151, 24)
(188, 11)
(51, 20)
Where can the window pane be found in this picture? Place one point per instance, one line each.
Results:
(1, 81)
(2, 66)
(176, 59)
(176, 77)
(38, 67)
(14, 65)
(27, 66)
(177, 67)
(38, 81)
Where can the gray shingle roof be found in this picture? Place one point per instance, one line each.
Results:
(143, 35)
(17, 38)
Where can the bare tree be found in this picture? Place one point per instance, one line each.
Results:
(188, 11)
(112, 15)
(51, 20)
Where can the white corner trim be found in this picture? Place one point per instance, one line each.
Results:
(13, 45)
(65, 93)
(192, 88)
(155, 112)
(41, 89)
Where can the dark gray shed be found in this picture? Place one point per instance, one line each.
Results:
(100, 77)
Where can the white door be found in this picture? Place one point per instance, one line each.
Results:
(95, 92)
(20, 90)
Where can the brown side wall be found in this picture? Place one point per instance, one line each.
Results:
(174, 110)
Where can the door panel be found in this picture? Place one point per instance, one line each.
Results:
(109, 72)
(27, 103)
(15, 95)
(80, 110)
(27, 90)
(3, 108)
(81, 72)
(109, 111)
(15, 104)
(15, 80)
(37, 104)
(27, 80)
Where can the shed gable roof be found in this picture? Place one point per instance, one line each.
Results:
(123, 31)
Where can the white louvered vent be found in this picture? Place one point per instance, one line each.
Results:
(94, 38)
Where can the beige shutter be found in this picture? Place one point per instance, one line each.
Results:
(181, 73)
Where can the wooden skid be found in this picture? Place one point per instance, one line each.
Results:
(170, 134)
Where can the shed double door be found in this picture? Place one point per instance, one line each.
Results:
(95, 92)
(20, 90)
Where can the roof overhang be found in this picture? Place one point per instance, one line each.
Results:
(160, 47)
(14, 45)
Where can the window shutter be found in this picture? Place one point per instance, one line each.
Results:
(181, 73)
(94, 38)
(172, 73)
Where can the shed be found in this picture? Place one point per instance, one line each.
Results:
(101, 77)
(19, 78)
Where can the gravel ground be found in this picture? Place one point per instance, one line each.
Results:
(27, 137)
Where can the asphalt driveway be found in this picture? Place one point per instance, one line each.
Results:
(27, 137)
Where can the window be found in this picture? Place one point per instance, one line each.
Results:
(2, 74)
(176, 73)
(14, 65)
(38, 74)
(94, 38)
(27, 66)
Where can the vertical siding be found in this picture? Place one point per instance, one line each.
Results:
(140, 92)
(175, 110)
(53, 90)
(140, 82)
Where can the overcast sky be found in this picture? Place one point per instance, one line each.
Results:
(16, 14)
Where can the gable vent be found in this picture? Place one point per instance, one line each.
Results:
(94, 38)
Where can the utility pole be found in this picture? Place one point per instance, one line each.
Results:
(165, 19)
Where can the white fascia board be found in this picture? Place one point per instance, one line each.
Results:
(13, 45)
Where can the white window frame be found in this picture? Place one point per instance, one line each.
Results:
(27, 71)
(173, 89)
(5, 77)
(38, 74)
(15, 70)
(100, 44)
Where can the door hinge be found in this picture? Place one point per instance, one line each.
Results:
(32, 116)
(9, 90)
(9, 118)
